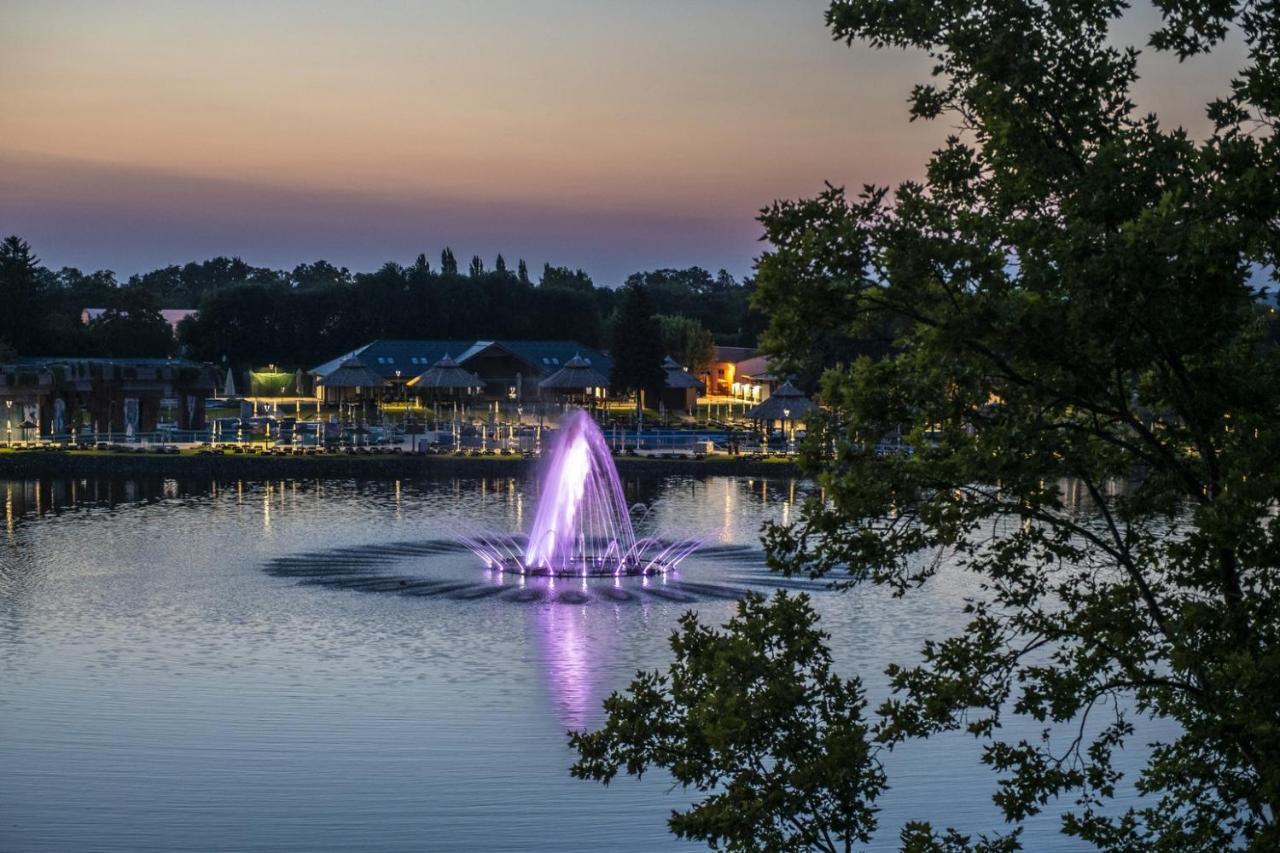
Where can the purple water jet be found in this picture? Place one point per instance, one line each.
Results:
(582, 525)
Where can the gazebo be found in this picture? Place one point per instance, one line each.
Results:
(445, 380)
(576, 381)
(680, 391)
(787, 404)
(352, 379)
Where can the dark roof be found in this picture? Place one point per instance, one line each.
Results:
(387, 355)
(413, 357)
(734, 354)
(544, 357)
(677, 377)
(47, 360)
(447, 375)
(787, 398)
(79, 367)
(352, 374)
(578, 374)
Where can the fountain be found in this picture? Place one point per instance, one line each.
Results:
(582, 525)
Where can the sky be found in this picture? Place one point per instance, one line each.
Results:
(611, 135)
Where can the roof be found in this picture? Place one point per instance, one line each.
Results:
(387, 355)
(544, 357)
(578, 374)
(677, 377)
(352, 374)
(44, 360)
(757, 365)
(412, 357)
(786, 402)
(446, 374)
(734, 354)
(78, 367)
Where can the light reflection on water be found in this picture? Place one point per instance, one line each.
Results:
(159, 690)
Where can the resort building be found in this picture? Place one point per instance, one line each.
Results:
(740, 373)
(722, 373)
(44, 397)
(508, 369)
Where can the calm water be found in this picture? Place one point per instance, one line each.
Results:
(311, 666)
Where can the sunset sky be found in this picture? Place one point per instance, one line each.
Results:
(607, 134)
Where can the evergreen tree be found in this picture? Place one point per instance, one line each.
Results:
(421, 265)
(637, 345)
(448, 263)
(477, 267)
(500, 265)
(23, 296)
(522, 272)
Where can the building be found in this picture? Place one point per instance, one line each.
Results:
(723, 371)
(172, 316)
(121, 395)
(752, 380)
(680, 391)
(510, 370)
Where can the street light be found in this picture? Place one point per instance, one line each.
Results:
(786, 414)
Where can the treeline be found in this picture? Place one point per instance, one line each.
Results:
(254, 315)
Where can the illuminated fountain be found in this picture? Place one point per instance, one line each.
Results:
(582, 525)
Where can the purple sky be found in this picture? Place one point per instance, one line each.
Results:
(605, 134)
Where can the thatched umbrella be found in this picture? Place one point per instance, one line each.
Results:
(446, 379)
(577, 378)
(446, 376)
(785, 404)
(354, 376)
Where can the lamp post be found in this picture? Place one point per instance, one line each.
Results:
(786, 425)
(8, 404)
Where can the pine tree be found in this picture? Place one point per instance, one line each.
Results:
(637, 344)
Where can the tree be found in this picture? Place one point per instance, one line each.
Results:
(564, 278)
(448, 263)
(132, 326)
(500, 265)
(687, 342)
(522, 272)
(322, 273)
(1091, 397)
(24, 295)
(477, 267)
(754, 715)
(637, 344)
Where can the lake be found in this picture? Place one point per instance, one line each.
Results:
(317, 666)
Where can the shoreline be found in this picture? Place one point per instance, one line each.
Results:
(28, 464)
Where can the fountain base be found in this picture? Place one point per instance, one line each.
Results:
(584, 567)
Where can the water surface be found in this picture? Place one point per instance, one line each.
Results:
(170, 681)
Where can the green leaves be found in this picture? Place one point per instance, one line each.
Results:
(752, 717)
